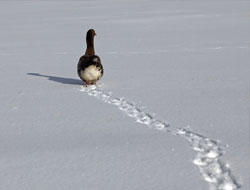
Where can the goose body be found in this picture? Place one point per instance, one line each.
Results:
(89, 67)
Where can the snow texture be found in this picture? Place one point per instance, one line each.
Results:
(208, 151)
(185, 61)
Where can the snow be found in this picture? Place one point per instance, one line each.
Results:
(168, 65)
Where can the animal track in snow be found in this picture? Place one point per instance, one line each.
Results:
(129, 109)
(208, 151)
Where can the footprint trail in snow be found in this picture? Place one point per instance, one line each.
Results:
(208, 151)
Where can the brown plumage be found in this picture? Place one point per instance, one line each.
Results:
(89, 67)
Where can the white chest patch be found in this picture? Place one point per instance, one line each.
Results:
(91, 73)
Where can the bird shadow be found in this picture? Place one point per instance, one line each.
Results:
(62, 80)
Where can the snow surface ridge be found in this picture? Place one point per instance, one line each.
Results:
(208, 151)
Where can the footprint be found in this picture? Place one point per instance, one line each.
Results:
(208, 151)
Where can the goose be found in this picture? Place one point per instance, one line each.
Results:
(89, 67)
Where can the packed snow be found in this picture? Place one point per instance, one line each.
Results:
(171, 111)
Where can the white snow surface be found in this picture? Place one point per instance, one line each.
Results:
(171, 111)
